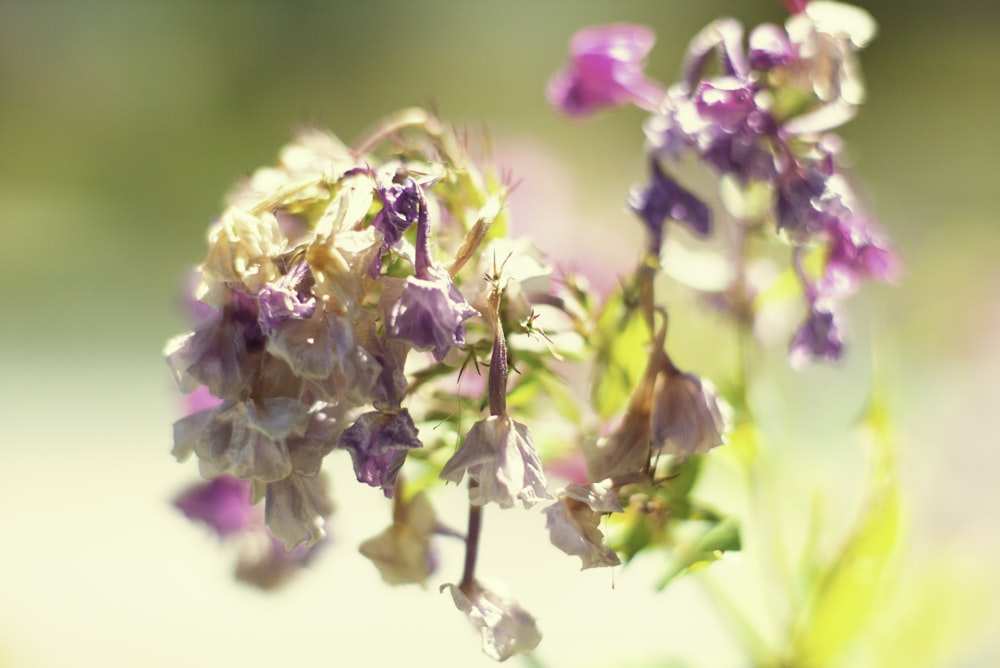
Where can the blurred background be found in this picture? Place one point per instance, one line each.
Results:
(122, 126)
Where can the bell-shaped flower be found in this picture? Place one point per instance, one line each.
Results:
(296, 508)
(499, 455)
(378, 443)
(430, 313)
(573, 521)
(242, 438)
(402, 553)
(507, 629)
(686, 416)
(606, 70)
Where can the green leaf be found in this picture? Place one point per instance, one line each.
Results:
(847, 588)
(699, 543)
(621, 341)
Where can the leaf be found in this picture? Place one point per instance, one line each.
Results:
(846, 590)
(622, 347)
(704, 543)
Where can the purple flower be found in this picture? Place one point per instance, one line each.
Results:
(804, 205)
(221, 353)
(403, 204)
(378, 443)
(818, 338)
(500, 456)
(770, 48)
(738, 133)
(663, 198)
(606, 70)
(286, 299)
(856, 252)
(430, 314)
(724, 39)
(223, 504)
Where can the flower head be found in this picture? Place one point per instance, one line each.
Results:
(606, 70)
(500, 456)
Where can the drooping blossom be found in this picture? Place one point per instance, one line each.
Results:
(430, 314)
(498, 453)
(606, 70)
(856, 251)
(378, 443)
(573, 521)
(402, 553)
(686, 418)
(506, 628)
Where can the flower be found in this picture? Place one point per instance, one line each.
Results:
(378, 443)
(285, 299)
(265, 563)
(296, 508)
(500, 456)
(664, 198)
(606, 70)
(223, 504)
(242, 438)
(686, 416)
(430, 314)
(572, 522)
(818, 338)
(856, 251)
(507, 629)
(402, 552)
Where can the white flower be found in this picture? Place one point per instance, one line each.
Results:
(507, 629)
(499, 455)
(572, 522)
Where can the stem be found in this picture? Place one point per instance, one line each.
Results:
(498, 360)
(471, 544)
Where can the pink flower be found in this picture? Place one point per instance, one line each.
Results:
(606, 70)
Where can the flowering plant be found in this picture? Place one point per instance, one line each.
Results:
(350, 293)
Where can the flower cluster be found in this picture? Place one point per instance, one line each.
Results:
(760, 116)
(350, 292)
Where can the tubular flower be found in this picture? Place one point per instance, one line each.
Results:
(606, 70)
(430, 314)
(402, 553)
